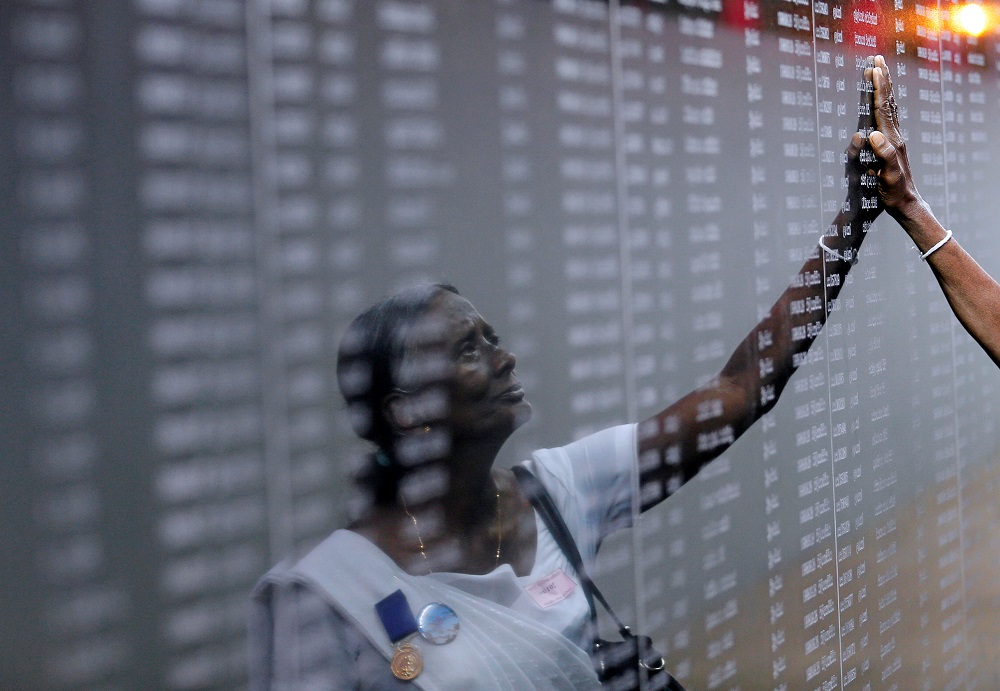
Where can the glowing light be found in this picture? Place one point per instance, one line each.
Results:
(969, 19)
(933, 19)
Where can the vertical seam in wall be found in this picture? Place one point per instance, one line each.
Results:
(273, 396)
(826, 341)
(625, 270)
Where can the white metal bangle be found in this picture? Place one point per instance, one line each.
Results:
(939, 245)
(851, 258)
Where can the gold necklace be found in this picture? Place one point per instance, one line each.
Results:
(420, 540)
(499, 525)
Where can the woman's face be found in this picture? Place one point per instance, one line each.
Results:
(484, 400)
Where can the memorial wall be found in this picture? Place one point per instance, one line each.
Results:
(199, 195)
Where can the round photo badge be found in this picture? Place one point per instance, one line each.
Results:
(437, 623)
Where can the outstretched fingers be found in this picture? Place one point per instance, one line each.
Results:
(895, 182)
(886, 111)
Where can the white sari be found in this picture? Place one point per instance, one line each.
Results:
(496, 647)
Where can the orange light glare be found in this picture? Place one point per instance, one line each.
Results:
(933, 18)
(970, 20)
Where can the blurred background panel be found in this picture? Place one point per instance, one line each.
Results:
(199, 195)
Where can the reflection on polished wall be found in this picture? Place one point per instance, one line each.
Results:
(200, 195)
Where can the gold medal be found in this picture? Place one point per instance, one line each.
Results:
(406, 662)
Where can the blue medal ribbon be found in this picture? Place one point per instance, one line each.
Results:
(396, 616)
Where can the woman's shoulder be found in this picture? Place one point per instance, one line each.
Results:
(339, 549)
(610, 450)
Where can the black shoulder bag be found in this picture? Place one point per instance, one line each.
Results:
(619, 664)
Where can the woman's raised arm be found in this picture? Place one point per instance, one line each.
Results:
(972, 293)
(675, 443)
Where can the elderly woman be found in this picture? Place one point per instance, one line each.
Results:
(972, 293)
(430, 385)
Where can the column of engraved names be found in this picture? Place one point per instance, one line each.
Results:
(584, 103)
(412, 139)
(200, 291)
(938, 556)
(811, 571)
(991, 82)
(645, 113)
(411, 171)
(947, 582)
(855, 356)
(343, 247)
(875, 571)
(867, 420)
(763, 200)
(789, 186)
(889, 530)
(936, 490)
(519, 174)
(78, 607)
(891, 527)
(705, 212)
(312, 258)
(873, 440)
(971, 208)
(955, 643)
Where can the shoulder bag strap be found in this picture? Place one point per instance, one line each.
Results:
(542, 501)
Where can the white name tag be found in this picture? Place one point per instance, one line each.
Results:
(547, 591)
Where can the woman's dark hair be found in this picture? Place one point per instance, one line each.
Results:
(369, 367)
(371, 354)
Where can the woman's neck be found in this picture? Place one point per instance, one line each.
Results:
(470, 500)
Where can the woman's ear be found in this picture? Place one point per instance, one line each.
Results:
(397, 413)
